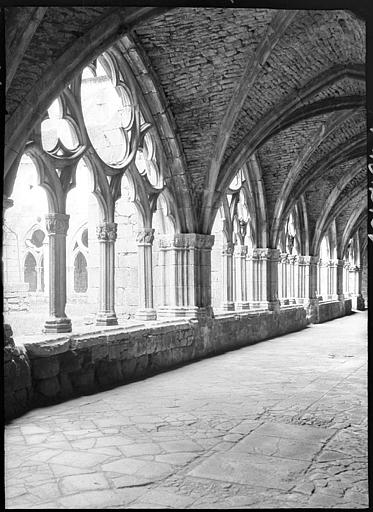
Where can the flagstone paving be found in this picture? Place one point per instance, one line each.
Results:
(280, 424)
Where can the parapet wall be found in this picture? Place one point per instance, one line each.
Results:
(69, 366)
(329, 310)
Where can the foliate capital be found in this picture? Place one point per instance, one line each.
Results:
(265, 253)
(304, 260)
(107, 232)
(240, 250)
(187, 241)
(145, 236)
(228, 248)
(57, 223)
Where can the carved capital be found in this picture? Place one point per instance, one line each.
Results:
(293, 258)
(57, 223)
(283, 257)
(228, 248)
(145, 236)
(304, 260)
(107, 232)
(240, 250)
(267, 254)
(187, 241)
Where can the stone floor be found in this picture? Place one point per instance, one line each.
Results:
(281, 424)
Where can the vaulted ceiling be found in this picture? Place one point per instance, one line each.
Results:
(285, 85)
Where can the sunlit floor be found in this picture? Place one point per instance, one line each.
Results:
(279, 424)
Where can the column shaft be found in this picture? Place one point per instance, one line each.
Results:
(145, 238)
(107, 234)
(188, 262)
(57, 226)
(241, 301)
(227, 256)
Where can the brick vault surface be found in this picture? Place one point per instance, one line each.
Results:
(279, 424)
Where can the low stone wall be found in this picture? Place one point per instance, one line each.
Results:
(69, 366)
(18, 392)
(329, 310)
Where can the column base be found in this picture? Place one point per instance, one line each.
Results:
(273, 305)
(239, 306)
(104, 319)
(146, 314)
(55, 325)
(284, 302)
(228, 306)
(184, 312)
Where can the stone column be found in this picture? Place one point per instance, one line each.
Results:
(354, 284)
(227, 256)
(46, 265)
(241, 301)
(335, 271)
(57, 225)
(293, 278)
(39, 284)
(324, 279)
(249, 277)
(346, 279)
(265, 277)
(304, 279)
(187, 275)
(360, 302)
(308, 284)
(283, 278)
(145, 238)
(338, 272)
(107, 234)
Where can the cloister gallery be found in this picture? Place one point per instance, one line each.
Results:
(185, 180)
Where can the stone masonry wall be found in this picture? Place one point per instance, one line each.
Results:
(69, 366)
(17, 377)
(334, 309)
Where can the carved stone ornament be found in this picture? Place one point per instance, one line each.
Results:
(228, 248)
(187, 241)
(145, 236)
(57, 223)
(240, 250)
(267, 254)
(304, 260)
(284, 257)
(107, 232)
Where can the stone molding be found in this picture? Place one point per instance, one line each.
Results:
(107, 232)
(57, 223)
(187, 241)
(145, 236)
